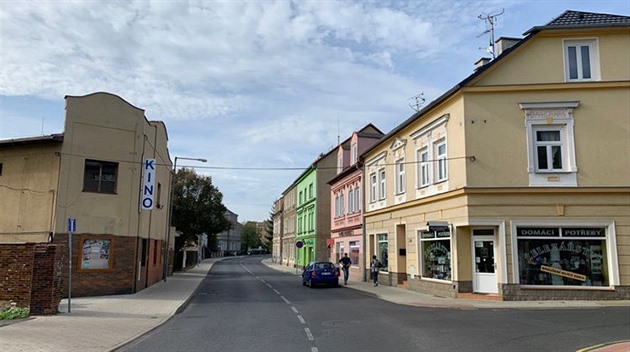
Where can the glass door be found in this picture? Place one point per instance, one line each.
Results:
(484, 266)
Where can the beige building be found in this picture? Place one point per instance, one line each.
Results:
(277, 218)
(288, 226)
(106, 179)
(516, 182)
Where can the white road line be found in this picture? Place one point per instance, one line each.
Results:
(314, 349)
(269, 285)
(276, 291)
(309, 334)
(285, 300)
(294, 310)
(301, 319)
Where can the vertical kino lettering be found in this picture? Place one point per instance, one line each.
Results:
(148, 167)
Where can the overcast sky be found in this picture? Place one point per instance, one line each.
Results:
(249, 84)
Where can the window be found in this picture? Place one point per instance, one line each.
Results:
(342, 205)
(0, 169)
(580, 60)
(310, 191)
(382, 185)
(423, 167)
(548, 144)
(400, 176)
(353, 154)
(100, 176)
(354, 253)
(373, 187)
(339, 163)
(357, 199)
(436, 254)
(562, 256)
(440, 153)
(351, 201)
(336, 205)
(382, 254)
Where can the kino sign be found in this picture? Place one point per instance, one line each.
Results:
(148, 189)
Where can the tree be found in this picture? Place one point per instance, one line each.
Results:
(249, 236)
(269, 233)
(197, 207)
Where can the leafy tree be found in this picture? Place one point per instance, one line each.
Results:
(249, 236)
(197, 207)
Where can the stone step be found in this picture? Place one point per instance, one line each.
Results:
(480, 296)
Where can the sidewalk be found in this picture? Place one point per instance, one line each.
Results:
(412, 298)
(107, 322)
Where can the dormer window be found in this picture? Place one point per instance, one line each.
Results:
(353, 154)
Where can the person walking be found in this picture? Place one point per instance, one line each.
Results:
(375, 265)
(345, 266)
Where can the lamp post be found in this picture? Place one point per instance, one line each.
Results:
(170, 211)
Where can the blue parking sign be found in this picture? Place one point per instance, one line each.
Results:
(72, 225)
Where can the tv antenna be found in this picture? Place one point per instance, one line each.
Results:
(417, 102)
(491, 21)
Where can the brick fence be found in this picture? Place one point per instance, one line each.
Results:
(30, 275)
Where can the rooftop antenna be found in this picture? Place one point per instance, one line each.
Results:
(417, 102)
(491, 21)
(338, 141)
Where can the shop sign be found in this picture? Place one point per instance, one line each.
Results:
(584, 232)
(443, 234)
(424, 235)
(563, 273)
(148, 167)
(537, 231)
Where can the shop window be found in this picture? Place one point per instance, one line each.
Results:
(562, 256)
(354, 253)
(100, 176)
(340, 251)
(382, 254)
(436, 254)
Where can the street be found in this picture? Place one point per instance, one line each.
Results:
(245, 306)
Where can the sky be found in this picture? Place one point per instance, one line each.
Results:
(258, 88)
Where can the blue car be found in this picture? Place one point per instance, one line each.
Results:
(324, 273)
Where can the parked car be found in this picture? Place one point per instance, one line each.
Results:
(316, 273)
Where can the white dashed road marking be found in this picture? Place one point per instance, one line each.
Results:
(285, 300)
(301, 319)
(309, 335)
(294, 310)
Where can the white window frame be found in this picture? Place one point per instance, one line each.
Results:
(351, 201)
(555, 115)
(593, 55)
(353, 154)
(373, 187)
(400, 176)
(357, 201)
(342, 204)
(424, 174)
(441, 160)
(548, 146)
(382, 181)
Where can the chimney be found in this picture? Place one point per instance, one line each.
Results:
(505, 43)
(481, 62)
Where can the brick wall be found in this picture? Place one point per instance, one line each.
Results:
(16, 270)
(118, 280)
(29, 276)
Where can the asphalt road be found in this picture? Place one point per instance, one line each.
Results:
(244, 306)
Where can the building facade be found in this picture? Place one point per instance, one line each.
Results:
(289, 226)
(106, 179)
(346, 200)
(516, 181)
(229, 241)
(277, 218)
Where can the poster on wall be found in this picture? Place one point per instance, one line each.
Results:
(95, 254)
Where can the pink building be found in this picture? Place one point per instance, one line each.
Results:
(347, 201)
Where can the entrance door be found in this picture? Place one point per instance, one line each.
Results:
(484, 265)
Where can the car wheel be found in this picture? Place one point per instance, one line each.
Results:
(310, 283)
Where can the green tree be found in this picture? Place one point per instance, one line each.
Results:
(197, 207)
(249, 236)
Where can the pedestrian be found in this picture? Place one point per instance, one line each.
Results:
(345, 266)
(375, 266)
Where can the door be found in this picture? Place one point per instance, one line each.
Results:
(484, 264)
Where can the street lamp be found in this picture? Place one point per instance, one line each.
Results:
(170, 211)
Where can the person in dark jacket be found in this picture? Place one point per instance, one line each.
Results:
(345, 266)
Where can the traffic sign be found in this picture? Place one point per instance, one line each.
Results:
(299, 244)
(72, 225)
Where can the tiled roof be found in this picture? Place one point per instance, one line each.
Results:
(575, 18)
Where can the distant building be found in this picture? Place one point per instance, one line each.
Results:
(229, 241)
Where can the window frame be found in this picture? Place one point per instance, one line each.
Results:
(99, 187)
(424, 174)
(548, 147)
(593, 56)
(373, 187)
(382, 181)
(400, 175)
(441, 160)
